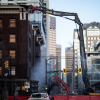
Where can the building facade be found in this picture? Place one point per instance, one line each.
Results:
(52, 42)
(93, 63)
(91, 33)
(58, 54)
(19, 2)
(69, 66)
(13, 40)
(17, 36)
(52, 36)
(46, 24)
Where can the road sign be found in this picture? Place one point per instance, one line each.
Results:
(27, 84)
(52, 73)
(27, 87)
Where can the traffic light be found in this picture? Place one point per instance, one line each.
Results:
(73, 91)
(6, 64)
(46, 88)
(64, 71)
(79, 71)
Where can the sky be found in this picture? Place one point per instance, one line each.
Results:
(88, 11)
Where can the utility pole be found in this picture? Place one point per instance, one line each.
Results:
(5, 90)
(10, 67)
(56, 63)
(46, 70)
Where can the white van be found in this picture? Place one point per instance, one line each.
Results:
(39, 96)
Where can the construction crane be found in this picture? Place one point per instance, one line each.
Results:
(87, 89)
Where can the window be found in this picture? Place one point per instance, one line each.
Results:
(88, 42)
(12, 23)
(91, 41)
(44, 4)
(97, 37)
(44, 20)
(0, 70)
(91, 38)
(13, 71)
(88, 38)
(12, 38)
(44, 16)
(12, 53)
(0, 37)
(94, 38)
(0, 54)
(0, 22)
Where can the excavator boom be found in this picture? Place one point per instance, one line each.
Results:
(80, 35)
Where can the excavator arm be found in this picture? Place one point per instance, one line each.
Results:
(80, 35)
(58, 80)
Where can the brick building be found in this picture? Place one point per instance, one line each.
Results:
(20, 39)
(13, 33)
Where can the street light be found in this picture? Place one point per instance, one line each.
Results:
(46, 65)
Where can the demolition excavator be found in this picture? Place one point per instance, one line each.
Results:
(86, 88)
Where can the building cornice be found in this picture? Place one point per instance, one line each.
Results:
(92, 24)
(6, 9)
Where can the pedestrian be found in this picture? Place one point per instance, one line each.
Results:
(15, 97)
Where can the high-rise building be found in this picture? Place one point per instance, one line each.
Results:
(58, 55)
(46, 16)
(52, 36)
(46, 24)
(69, 65)
(91, 33)
(52, 41)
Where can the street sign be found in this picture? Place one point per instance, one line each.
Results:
(27, 84)
(27, 87)
(52, 73)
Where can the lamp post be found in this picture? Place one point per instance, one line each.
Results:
(46, 65)
(46, 68)
(5, 90)
(77, 77)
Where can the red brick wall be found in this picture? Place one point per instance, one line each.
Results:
(20, 46)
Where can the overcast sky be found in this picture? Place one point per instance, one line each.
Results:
(87, 10)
